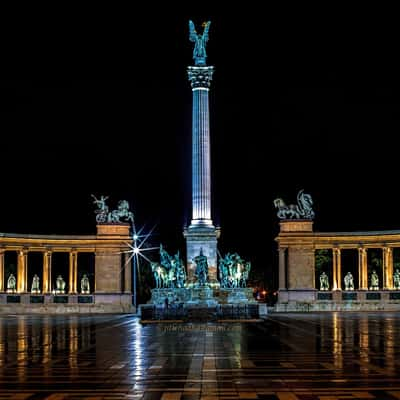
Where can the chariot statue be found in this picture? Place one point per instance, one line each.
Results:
(104, 216)
(102, 210)
(122, 211)
(301, 210)
(348, 281)
(199, 51)
(324, 281)
(11, 284)
(35, 288)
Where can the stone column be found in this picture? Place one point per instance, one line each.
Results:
(282, 268)
(73, 272)
(387, 268)
(337, 269)
(128, 274)
(22, 271)
(362, 269)
(201, 235)
(47, 272)
(334, 269)
(2, 278)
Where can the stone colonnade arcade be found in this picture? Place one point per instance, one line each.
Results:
(297, 287)
(112, 290)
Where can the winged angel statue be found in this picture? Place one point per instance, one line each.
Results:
(199, 51)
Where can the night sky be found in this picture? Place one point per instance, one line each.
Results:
(301, 98)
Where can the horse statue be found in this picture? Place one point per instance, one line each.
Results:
(160, 274)
(122, 211)
(301, 210)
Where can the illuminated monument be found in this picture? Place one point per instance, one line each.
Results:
(201, 235)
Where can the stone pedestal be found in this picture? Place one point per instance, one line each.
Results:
(110, 271)
(205, 239)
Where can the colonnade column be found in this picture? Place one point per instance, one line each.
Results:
(22, 271)
(362, 269)
(334, 269)
(337, 269)
(73, 272)
(47, 272)
(282, 268)
(2, 270)
(387, 257)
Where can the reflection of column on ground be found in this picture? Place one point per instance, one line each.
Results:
(22, 271)
(47, 272)
(390, 343)
(387, 268)
(363, 330)
(73, 272)
(22, 348)
(337, 342)
(73, 345)
(362, 269)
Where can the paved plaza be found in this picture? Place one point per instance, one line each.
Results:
(289, 356)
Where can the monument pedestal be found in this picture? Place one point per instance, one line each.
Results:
(202, 238)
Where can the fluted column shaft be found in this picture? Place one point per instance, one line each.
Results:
(337, 268)
(387, 257)
(47, 272)
(362, 269)
(200, 78)
(73, 272)
(22, 271)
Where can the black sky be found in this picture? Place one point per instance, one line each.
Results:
(301, 98)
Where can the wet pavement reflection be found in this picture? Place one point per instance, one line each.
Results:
(288, 356)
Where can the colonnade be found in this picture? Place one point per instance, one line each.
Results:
(337, 275)
(47, 279)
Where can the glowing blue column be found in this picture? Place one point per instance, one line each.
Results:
(201, 235)
(200, 78)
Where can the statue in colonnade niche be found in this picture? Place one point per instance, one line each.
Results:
(324, 281)
(374, 281)
(396, 280)
(348, 281)
(11, 284)
(301, 210)
(60, 285)
(35, 288)
(85, 286)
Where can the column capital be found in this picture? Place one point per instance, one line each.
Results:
(362, 249)
(200, 77)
